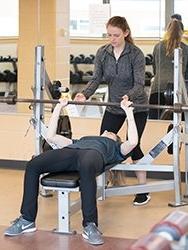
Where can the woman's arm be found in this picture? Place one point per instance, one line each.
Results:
(132, 140)
(137, 61)
(59, 140)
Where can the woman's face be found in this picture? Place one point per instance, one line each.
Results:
(116, 36)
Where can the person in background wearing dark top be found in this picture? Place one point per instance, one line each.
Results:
(163, 64)
(185, 32)
(121, 65)
(90, 156)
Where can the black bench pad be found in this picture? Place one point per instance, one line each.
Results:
(62, 179)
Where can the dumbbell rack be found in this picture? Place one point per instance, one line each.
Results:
(77, 76)
(7, 76)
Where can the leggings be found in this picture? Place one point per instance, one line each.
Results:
(89, 163)
(158, 99)
(113, 123)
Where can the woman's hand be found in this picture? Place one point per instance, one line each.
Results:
(125, 97)
(63, 102)
(126, 105)
(79, 97)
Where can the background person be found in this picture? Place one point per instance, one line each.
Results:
(163, 64)
(121, 65)
(89, 156)
(185, 31)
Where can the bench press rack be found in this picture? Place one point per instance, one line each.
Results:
(65, 183)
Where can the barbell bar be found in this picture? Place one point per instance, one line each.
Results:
(177, 107)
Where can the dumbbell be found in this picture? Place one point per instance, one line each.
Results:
(56, 89)
(7, 59)
(149, 59)
(169, 94)
(171, 228)
(2, 77)
(71, 59)
(79, 59)
(148, 76)
(89, 59)
(10, 76)
(76, 78)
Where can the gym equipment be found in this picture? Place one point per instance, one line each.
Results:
(63, 128)
(168, 93)
(10, 76)
(148, 77)
(89, 59)
(79, 59)
(177, 107)
(78, 76)
(71, 58)
(149, 59)
(171, 228)
(143, 165)
(56, 89)
(64, 184)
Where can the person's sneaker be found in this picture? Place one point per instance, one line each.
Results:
(141, 199)
(92, 234)
(20, 226)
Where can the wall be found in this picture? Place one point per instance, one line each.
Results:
(42, 23)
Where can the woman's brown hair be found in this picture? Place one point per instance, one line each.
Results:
(121, 23)
(173, 36)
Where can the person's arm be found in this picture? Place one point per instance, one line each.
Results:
(52, 137)
(138, 69)
(132, 140)
(93, 84)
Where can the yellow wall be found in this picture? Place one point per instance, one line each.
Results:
(42, 23)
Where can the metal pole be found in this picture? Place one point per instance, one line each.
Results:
(176, 124)
(38, 107)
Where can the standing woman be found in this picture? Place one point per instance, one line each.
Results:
(121, 65)
(163, 64)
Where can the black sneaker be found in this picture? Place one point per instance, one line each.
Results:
(141, 199)
(92, 234)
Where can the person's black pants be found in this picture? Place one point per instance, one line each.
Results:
(89, 164)
(113, 123)
(157, 99)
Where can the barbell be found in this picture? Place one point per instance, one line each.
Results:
(12, 100)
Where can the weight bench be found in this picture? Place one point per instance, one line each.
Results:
(65, 183)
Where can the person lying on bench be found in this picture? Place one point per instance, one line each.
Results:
(89, 156)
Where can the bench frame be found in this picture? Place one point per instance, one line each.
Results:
(68, 207)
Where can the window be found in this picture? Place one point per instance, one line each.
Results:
(9, 17)
(145, 17)
(180, 7)
(79, 17)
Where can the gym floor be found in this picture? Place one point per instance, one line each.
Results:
(118, 218)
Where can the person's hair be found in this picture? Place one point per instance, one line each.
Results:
(173, 36)
(176, 16)
(121, 23)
